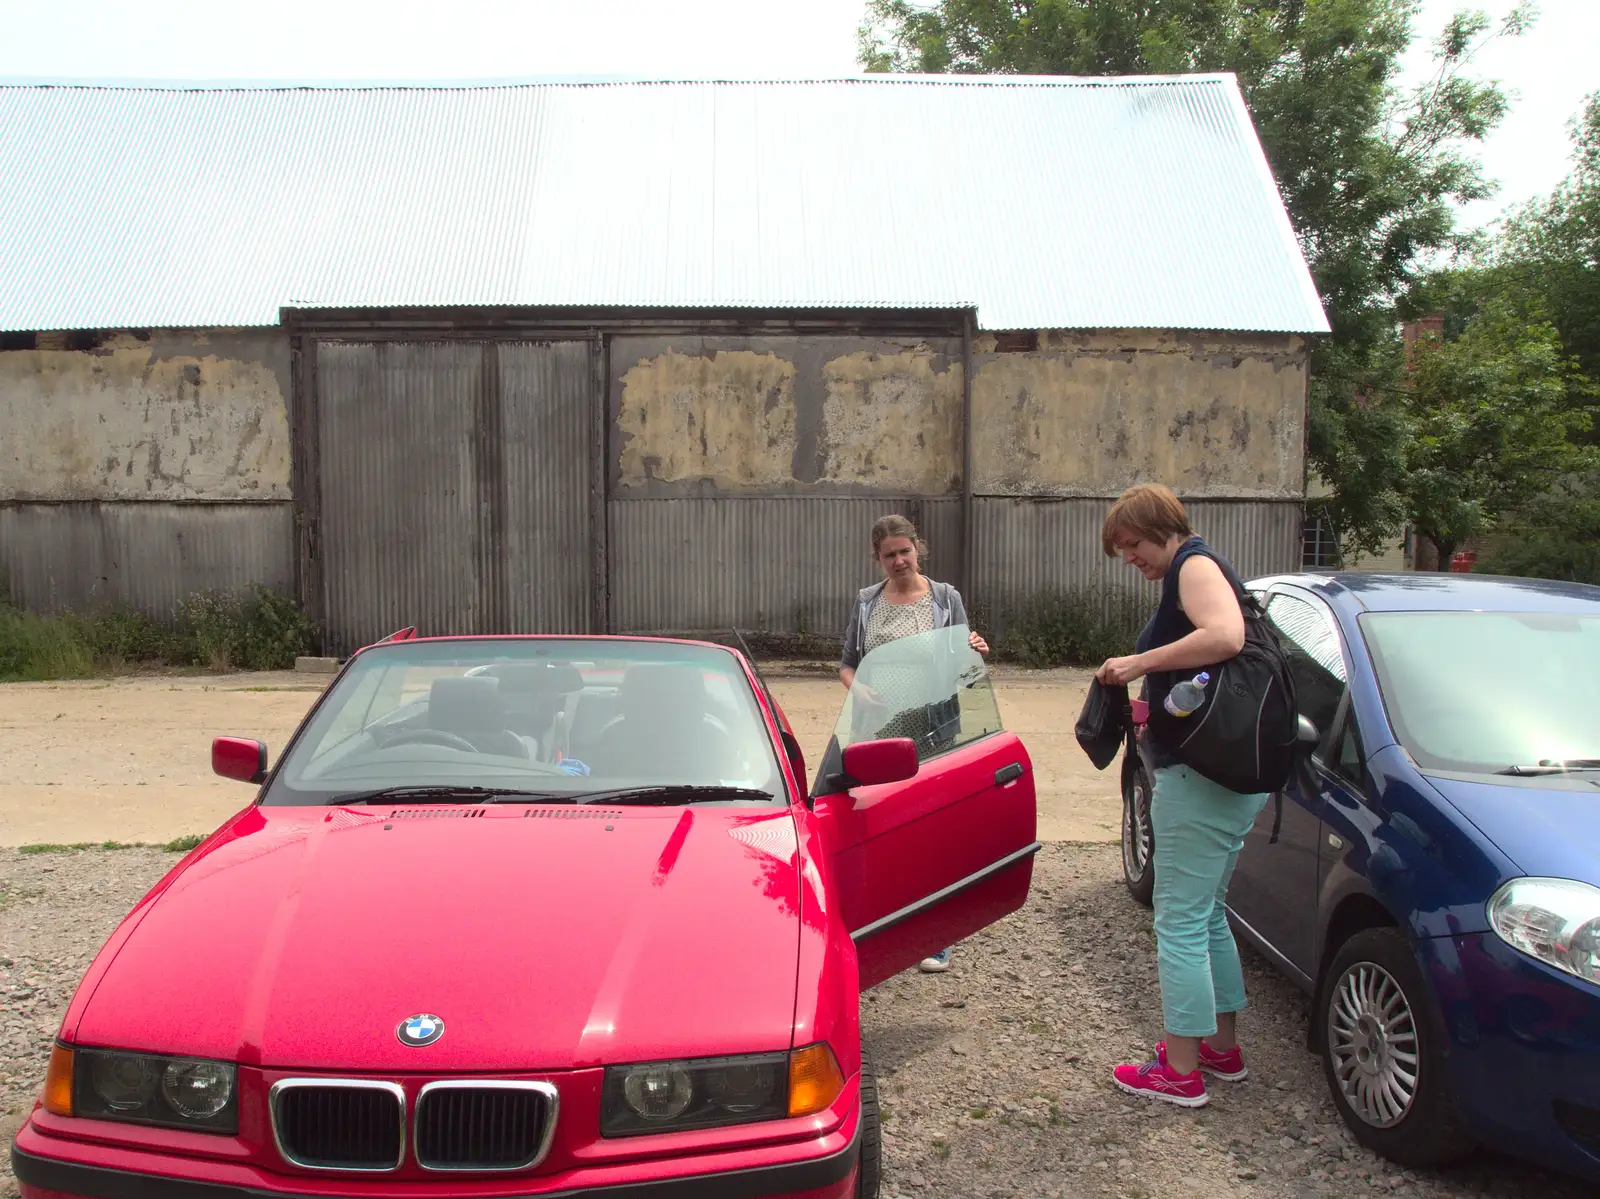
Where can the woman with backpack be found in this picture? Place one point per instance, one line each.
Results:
(903, 603)
(1199, 826)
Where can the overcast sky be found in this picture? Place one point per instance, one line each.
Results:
(1550, 69)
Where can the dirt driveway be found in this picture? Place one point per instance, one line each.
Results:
(130, 759)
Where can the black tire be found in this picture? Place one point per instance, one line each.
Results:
(1373, 1005)
(869, 1169)
(1138, 841)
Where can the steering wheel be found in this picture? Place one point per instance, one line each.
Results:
(429, 737)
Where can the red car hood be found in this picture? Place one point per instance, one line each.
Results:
(545, 938)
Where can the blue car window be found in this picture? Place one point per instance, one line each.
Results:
(1314, 658)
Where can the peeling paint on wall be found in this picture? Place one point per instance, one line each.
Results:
(145, 419)
(1096, 412)
(892, 421)
(728, 416)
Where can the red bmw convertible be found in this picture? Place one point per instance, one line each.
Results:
(525, 916)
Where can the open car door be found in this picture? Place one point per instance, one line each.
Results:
(925, 803)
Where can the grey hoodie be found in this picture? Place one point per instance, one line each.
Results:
(947, 610)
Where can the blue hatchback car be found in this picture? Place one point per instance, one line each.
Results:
(1432, 875)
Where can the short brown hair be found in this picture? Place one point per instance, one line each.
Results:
(886, 527)
(1148, 509)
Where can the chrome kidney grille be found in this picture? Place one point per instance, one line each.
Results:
(466, 1125)
(339, 1124)
(484, 1125)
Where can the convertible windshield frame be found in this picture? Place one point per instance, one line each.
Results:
(1538, 710)
(515, 712)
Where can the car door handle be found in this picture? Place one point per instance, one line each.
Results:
(1007, 774)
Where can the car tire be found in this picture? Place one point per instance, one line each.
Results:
(1374, 1005)
(869, 1164)
(1138, 839)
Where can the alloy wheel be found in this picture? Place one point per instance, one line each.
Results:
(1372, 1039)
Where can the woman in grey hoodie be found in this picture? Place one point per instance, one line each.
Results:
(904, 604)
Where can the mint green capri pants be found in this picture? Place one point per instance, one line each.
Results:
(1199, 829)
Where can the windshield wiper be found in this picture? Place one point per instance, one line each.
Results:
(1551, 766)
(464, 793)
(675, 793)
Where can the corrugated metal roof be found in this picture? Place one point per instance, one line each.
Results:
(1046, 202)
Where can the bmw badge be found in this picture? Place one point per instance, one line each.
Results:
(421, 1030)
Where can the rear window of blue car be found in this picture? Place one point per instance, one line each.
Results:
(1482, 692)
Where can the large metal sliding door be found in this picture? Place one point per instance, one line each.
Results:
(452, 488)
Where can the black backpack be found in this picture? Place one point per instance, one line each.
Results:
(1243, 735)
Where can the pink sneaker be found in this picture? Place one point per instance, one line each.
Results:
(1229, 1067)
(1157, 1080)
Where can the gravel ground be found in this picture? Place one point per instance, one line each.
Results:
(995, 1075)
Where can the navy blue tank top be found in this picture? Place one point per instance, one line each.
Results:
(1170, 624)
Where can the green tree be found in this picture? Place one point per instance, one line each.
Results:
(1369, 173)
(1491, 423)
(1551, 248)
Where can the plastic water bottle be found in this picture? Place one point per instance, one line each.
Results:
(1187, 695)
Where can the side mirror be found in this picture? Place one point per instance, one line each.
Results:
(1308, 735)
(240, 759)
(870, 763)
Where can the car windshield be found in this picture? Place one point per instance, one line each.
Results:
(562, 718)
(1482, 692)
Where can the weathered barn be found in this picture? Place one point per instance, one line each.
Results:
(633, 356)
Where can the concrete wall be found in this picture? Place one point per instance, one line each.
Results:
(1084, 414)
(1090, 413)
(815, 415)
(142, 467)
(162, 416)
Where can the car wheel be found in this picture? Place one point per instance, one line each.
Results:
(869, 1166)
(1138, 841)
(1383, 1053)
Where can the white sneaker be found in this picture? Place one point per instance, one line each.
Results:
(937, 964)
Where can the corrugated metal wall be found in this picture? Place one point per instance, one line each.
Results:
(546, 546)
(149, 556)
(1025, 547)
(454, 485)
(783, 564)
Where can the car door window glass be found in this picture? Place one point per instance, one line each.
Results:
(1314, 658)
(932, 687)
(1348, 762)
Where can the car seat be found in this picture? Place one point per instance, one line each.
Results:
(661, 730)
(534, 694)
(470, 707)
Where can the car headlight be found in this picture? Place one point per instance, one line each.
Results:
(711, 1092)
(142, 1088)
(1555, 920)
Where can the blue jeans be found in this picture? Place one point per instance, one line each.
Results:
(1199, 828)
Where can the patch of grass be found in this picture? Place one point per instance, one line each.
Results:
(176, 845)
(34, 647)
(979, 1113)
(254, 630)
(941, 1148)
(257, 629)
(75, 846)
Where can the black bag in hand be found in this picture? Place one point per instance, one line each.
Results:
(1103, 723)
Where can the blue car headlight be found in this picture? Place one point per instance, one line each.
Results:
(1555, 920)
